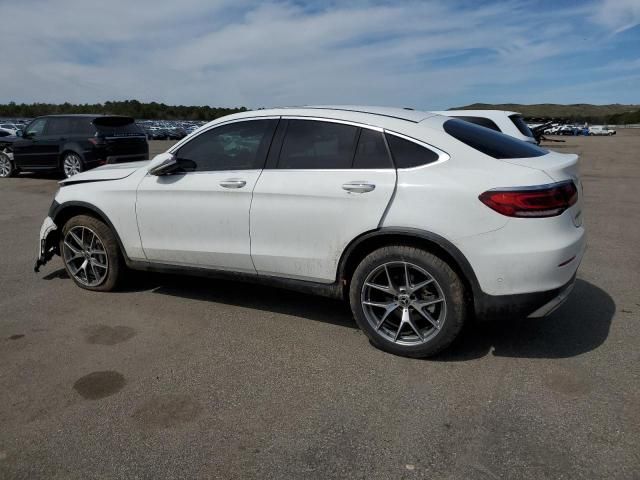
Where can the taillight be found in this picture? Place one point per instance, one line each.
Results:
(543, 201)
(97, 141)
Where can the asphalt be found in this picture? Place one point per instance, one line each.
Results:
(179, 377)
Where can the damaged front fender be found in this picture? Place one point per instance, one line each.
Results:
(48, 244)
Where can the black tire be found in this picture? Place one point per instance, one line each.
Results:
(7, 167)
(115, 262)
(450, 287)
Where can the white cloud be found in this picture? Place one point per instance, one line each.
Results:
(618, 15)
(254, 53)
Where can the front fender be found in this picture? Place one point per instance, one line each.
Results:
(47, 244)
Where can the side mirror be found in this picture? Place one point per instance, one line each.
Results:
(18, 133)
(162, 164)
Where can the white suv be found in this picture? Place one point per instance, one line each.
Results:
(419, 220)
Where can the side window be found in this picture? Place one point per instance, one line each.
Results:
(58, 126)
(237, 146)
(314, 144)
(407, 154)
(36, 127)
(81, 126)
(371, 151)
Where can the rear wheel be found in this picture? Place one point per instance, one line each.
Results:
(407, 301)
(91, 254)
(7, 168)
(72, 164)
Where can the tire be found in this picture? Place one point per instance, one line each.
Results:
(95, 276)
(7, 167)
(71, 164)
(402, 329)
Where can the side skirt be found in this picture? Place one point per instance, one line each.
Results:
(331, 290)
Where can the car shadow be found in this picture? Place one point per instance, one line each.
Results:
(261, 297)
(580, 325)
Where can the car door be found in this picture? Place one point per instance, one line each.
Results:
(35, 148)
(199, 215)
(325, 183)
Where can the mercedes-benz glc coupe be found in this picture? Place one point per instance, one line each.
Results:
(419, 221)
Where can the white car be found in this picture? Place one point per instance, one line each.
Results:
(12, 128)
(600, 130)
(509, 123)
(418, 220)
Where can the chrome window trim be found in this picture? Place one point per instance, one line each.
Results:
(188, 138)
(333, 120)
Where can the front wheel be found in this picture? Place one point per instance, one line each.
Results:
(72, 164)
(91, 254)
(7, 168)
(408, 301)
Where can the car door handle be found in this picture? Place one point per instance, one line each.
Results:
(232, 183)
(358, 187)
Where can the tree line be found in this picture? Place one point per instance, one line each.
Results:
(131, 108)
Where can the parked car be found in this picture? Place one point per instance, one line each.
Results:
(509, 123)
(569, 130)
(74, 143)
(10, 128)
(418, 220)
(600, 130)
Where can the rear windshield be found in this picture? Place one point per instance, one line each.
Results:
(494, 144)
(521, 125)
(482, 121)
(117, 126)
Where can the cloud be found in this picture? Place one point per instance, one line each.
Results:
(618, 15)
(265, 53)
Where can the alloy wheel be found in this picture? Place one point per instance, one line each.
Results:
(5, 165)
(72, 165)
(403, 303)
(85, 256)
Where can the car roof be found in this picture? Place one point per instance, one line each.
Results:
(408, 114)
(478, 113)
(383, 117)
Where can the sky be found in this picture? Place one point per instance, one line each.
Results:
(420, 54)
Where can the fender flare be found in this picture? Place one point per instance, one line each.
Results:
(56, 210)
(442, 243)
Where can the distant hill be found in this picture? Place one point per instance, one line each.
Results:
(615, 113)
(133, 108)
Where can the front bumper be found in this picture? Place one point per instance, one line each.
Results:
(47, 243)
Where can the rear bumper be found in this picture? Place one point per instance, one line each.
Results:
(529, 305)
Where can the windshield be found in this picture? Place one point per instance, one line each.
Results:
(117, 126)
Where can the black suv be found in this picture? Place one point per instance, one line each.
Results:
(72, 144)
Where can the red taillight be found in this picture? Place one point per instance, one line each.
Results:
(96, 140)
(543, 201)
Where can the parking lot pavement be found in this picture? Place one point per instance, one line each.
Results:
(179, 377)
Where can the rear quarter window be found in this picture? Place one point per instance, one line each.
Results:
(407, 154)
(494, 144)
